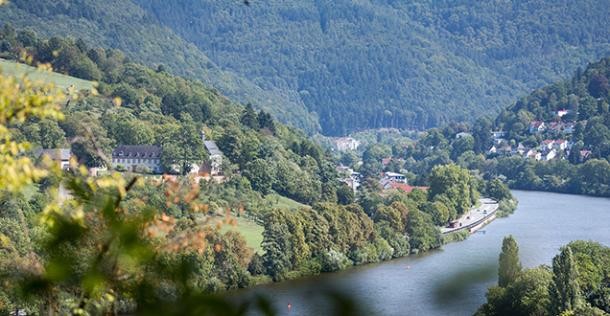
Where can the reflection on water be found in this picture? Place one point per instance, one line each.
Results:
(451, 281)
(452, 289)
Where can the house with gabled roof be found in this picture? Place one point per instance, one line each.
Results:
(132, 157)
(537, 127)
(60, 155)
(215, 157)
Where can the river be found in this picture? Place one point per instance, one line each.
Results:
(452, 281)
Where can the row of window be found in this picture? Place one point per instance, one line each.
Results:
(147, 161)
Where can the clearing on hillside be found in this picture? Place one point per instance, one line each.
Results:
(12, 68)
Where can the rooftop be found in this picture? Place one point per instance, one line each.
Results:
(57, 153)
(212, 148)
(136, 151)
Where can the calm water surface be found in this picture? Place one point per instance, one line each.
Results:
(453, 281)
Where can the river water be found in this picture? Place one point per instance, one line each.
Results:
(452, 281)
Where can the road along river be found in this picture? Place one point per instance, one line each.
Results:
(452, 281)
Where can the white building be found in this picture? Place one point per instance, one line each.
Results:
(215, 157)
(498, 134)
(346, 143)
(59, 155)
(131, 157)
(395, 177)
(550, 155)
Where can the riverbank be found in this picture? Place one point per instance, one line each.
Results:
(485, 212)
(475, 218)
(453, 280)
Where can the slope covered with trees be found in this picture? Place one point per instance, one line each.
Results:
(123, 25)
(130, 243)
(406, 64)
(555, 139)
(352, 65)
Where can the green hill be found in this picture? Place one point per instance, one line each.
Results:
(389, 63)
(584, 101)
(123, 25)
(347, 65)
(12, 68)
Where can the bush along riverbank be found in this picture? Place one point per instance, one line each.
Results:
(381, 225)
(507, 207)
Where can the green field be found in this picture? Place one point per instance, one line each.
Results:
(12, 68)
(282, 202)
(252, 232)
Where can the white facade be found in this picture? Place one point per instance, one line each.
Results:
(132, 157)
(215, 157)
(346, 143)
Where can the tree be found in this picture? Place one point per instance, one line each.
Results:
(249, 117)
(423, 234)
(497, 190)
(564, 290)
(261, 174)
(509, 267)
(345, 194)
(462, 145)
(276, 243)
(183, 146)
(453, 185)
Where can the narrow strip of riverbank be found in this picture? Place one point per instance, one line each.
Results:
(474, 219)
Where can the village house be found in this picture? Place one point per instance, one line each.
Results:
(561, 144)
(533, 154)
(551, 154)
(348, 176)
(536, 127)
(498, 135)
(557, 144)
(344, 170)
(554, 127)
(141, 157)
(215, 157)
(353, 181)
(585, 155)
(395, 177)
(505, 150)
(520, 149)
(346, 143)
(462, 134)
(492, 150)
(60, 155)
(562, 112)
(547, 144)
(567, 128)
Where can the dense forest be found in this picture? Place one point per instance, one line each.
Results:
(123, 25)
(397, 64)
(344, 65)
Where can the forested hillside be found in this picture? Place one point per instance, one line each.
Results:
(407, 64)
(134, 243)
(555, 139)
(352, 65)
(125, 26)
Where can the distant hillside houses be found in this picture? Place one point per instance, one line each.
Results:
(346, 144)
(548, 149)
(59, 155)
(348, 176)
(137, 158)
(215, 157)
